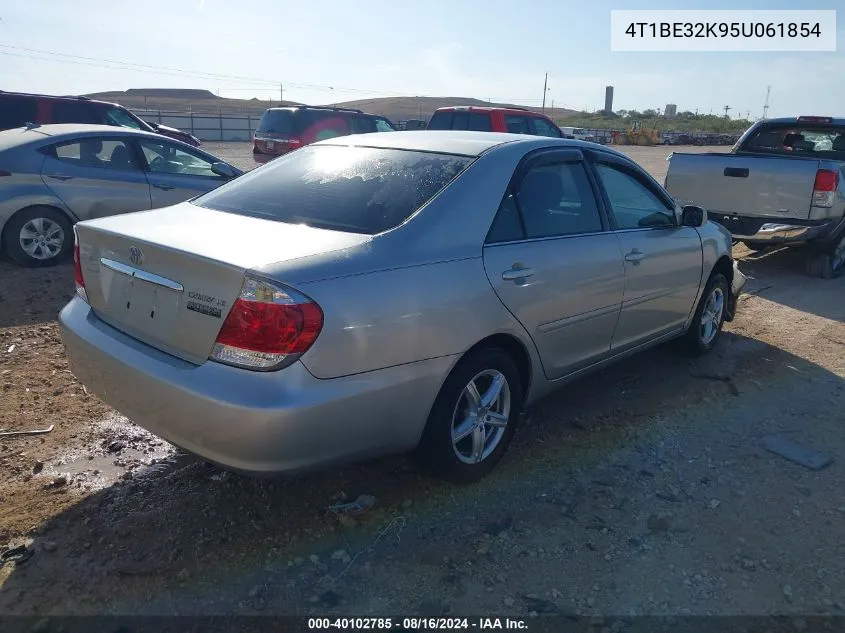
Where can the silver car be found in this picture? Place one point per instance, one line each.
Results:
(385, 293)
(52, 176)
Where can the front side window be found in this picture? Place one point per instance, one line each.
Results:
(541, 127)
(517, 124)
(166, 158)
(95, 152)
(556, 200)
(383, 125)
(117, 116)
(634, 206)
(355, 189)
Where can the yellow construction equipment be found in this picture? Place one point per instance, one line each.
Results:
(637, 135)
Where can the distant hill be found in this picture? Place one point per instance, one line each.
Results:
(181, 100)
(394, 108)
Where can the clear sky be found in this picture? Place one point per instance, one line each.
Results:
(327, 51)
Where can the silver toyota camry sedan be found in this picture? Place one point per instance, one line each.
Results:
(388, 293)
(54, 175)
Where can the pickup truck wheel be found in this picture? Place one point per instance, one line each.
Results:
(829, 263)
(706, 327)
(473, 418)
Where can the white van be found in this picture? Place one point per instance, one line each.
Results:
(578, 133)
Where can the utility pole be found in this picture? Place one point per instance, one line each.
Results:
(726, 111)
(281, 94)
(766, 104)
(545, 88)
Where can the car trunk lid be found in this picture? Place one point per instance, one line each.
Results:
(168, 277)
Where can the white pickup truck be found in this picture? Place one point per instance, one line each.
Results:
(782, 183)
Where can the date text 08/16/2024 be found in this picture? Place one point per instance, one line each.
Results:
(416, 624)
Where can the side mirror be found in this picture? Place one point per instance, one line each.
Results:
(222, 169)
(693, 216)
(152, 125)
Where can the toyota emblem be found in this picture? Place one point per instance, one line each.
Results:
(136, 256)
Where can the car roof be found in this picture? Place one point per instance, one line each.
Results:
(455, 141)
(60, 131)
(522, 111)
(793, 120)
(77, 99)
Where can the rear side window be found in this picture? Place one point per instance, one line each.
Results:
(541, 127)
(75, 112)
(276, 122)
(441, 121)
(95, 152)
(556, 200)
(353, 189)
(359, 124)
(17, 112)
(517, 124)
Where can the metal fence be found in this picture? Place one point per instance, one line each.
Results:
(204, 125)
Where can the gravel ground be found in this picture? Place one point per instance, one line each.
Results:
(642, 489)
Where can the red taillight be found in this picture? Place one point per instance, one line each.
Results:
(78, 279)
(826, 180)
(294, 142)
(267, 327)
(824, 189)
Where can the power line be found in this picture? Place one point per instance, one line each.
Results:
(111, 64)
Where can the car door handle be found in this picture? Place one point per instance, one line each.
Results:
(164, 187)
(517, 273)
(61, 177)
(634, 256)
(736, 172)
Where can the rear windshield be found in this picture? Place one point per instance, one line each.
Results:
(276, 121)
(354, 189)
(16, 111)
(461, 120)
(814, 140)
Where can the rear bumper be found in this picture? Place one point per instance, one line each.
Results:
(254, 422)
(774, 230)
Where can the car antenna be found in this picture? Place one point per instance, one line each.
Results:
(31, 126)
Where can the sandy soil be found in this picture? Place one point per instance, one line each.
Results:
(643, 489)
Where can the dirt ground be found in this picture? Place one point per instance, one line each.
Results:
(643, 489)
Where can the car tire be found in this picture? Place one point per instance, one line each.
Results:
(756, 247)
(828, 263)
(441, 452)
(41, 222)
(701, 337)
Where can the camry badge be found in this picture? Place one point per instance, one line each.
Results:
(136, 256)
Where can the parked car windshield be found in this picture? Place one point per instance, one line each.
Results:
(820, 141)
(354, 189)
(276, 122)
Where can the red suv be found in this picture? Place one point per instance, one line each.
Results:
(17, 109)
(481, 119)
(281, 130)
